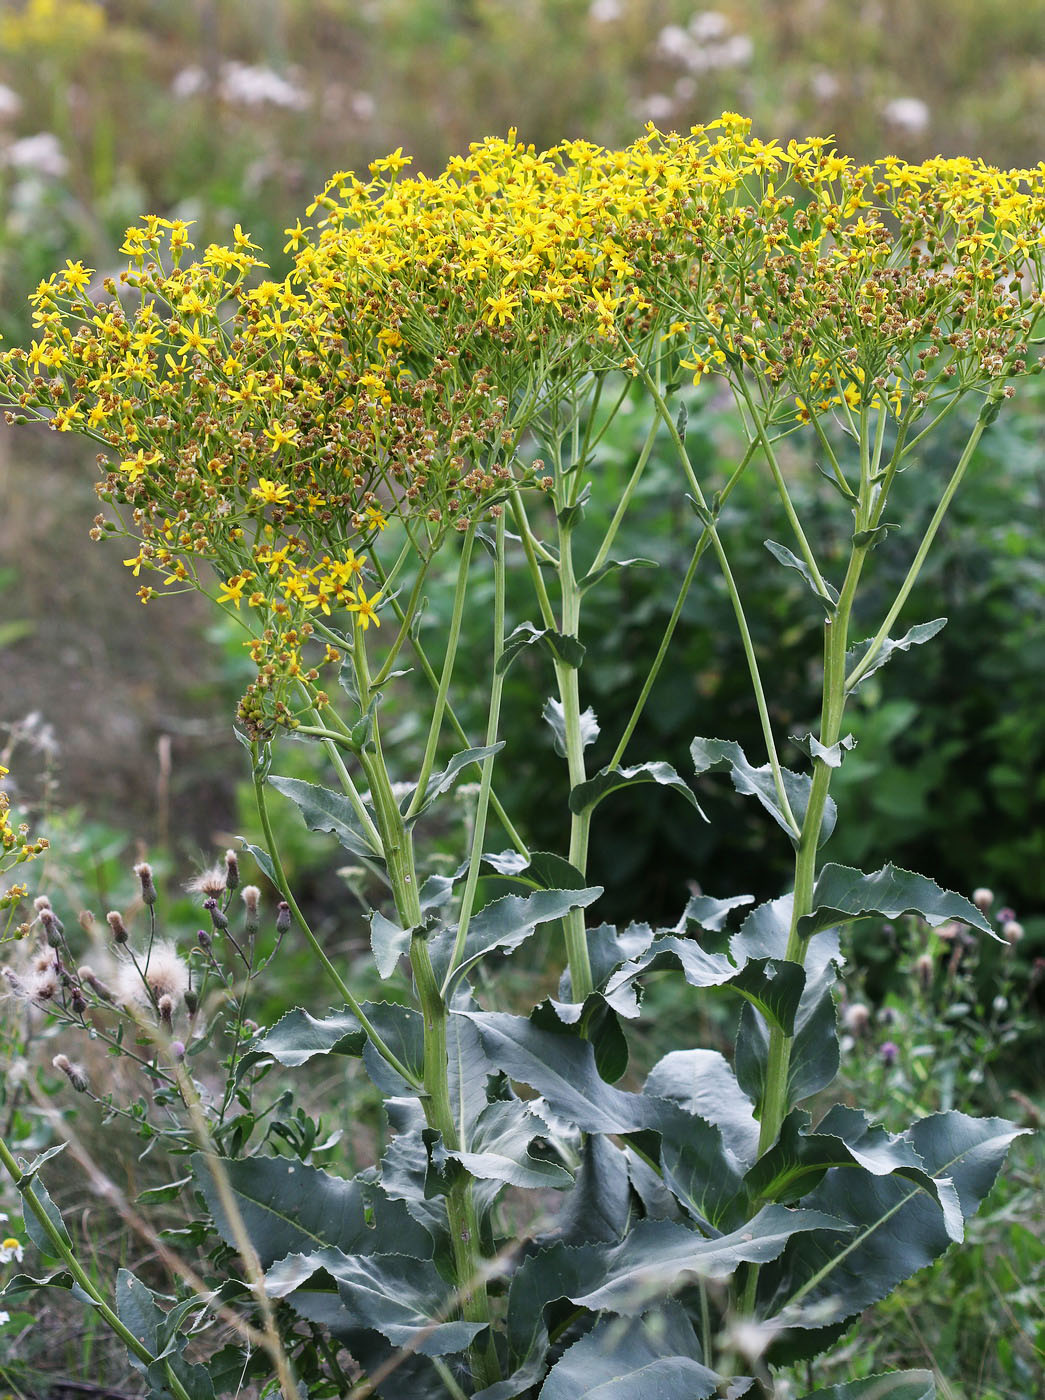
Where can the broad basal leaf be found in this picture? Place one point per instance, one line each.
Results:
(703, 1083)
(322, 809)
(658, 1257)
(599, 1206)
(842, 894)
(655, 1355)
(845, 1137)
(711, 754)
(499, 1149)
(588, 795)
(897, 1228)
(286, 1206)
(562, 1069)
(403, 1298)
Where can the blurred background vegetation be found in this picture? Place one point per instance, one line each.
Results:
(227, 111)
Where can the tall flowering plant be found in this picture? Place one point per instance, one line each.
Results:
(432, 380)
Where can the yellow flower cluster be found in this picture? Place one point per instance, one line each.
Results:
(16, 847)
(49, 24)
(271, 428)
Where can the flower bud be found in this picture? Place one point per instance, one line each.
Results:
(165, 1006)
(1006, 915)
(177, 1051)
(217, 918)
(888, 1053)
(192, 1001)
(1012, 931)
(86, 920)
(119, 928)
(231, 870)
(40, 903)
(855, 1018)
(926, 969)
(204, 939)
(143, 870)
(282, 916)
(78, 1002)
(251, 896)
(76, 1074)
(983, 898)
(87, 974)
(51, 927)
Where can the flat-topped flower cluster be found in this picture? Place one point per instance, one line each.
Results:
(271, 428)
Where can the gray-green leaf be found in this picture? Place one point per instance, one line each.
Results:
(322, 809)
(711, 754)
(553, 715)
(842, 894)
(915, 637)
(589, 794)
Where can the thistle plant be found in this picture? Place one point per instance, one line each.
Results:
(431, 381)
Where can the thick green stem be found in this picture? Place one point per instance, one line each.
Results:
(62, 1250)
(775, 1103)
(436, 1101)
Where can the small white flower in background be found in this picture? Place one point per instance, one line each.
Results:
(189, 81)
(10, 103)
(656, 107)
(10, 1249)
(824, 85)
(253, 86)
(4, 1317)
(41, 154)
(908, 114)
(363, 106)
(674, 42)
(604, 11)
(708, 24)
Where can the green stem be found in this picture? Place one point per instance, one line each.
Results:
(486, 781)
(864, 665)
(625, 500)
(284, 888)
(453, 637)
(435, 1100)
(672, 623)
(429, 672)
(781, 485)
(62, 1250)
(734, 595)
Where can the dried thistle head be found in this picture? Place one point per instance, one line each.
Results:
(210, 883)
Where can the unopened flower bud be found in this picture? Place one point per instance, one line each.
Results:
(926, 969)
(217, 918)
(76, 1074)
(119, 928)
(282, 916)
(192, 1001)
(251, 896)
(204, 939)
(87, 974)
(177, 1051)
(165, 1006)
(143, 870)
(1012, 931)
(231, 870)
(983, 898)
(888, 1053)
(51, 927)
(78, 1002)
(855, 1018)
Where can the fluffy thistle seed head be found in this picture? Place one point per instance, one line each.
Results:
(76, 1074)
(210, 883)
